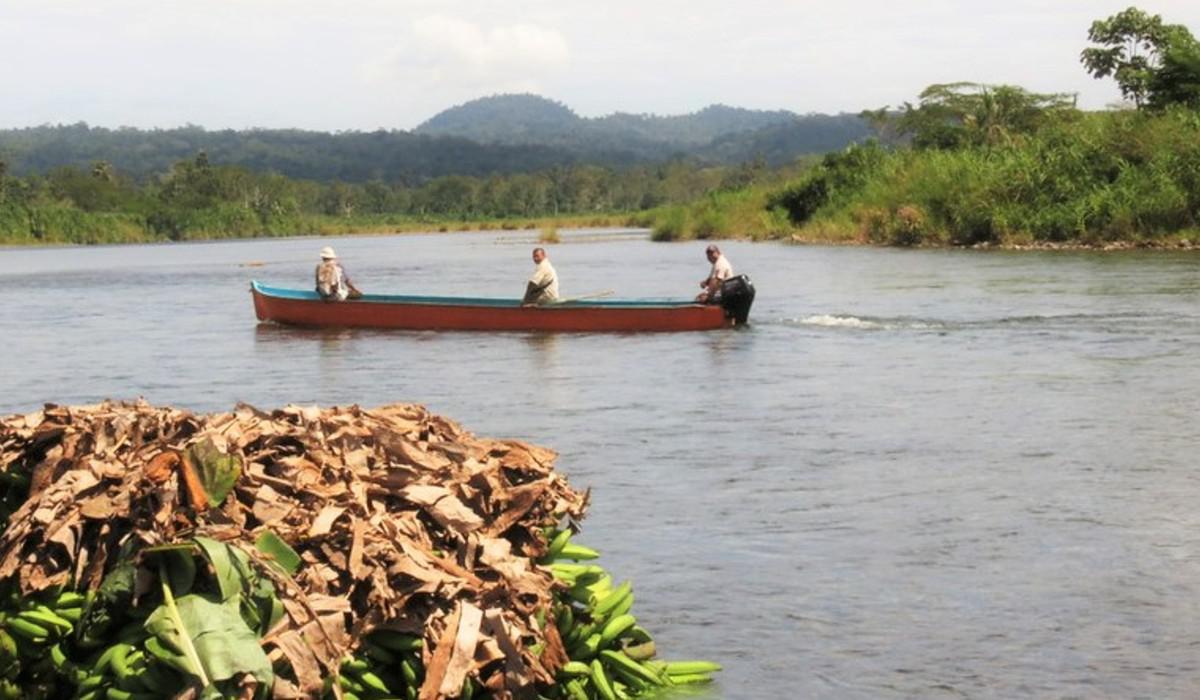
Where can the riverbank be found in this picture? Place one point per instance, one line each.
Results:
(550, 232)
(1183, 242)
(128, 230)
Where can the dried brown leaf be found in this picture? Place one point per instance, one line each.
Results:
(357, 569)
(435, 666)
(462, 657)
(159, 468)
(444, 506)
(323, 523)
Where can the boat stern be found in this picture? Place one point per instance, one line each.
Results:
(737, 295)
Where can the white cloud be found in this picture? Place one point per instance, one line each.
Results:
(517, 46)
(444, 55)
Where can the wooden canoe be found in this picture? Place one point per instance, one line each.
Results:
(305, 308)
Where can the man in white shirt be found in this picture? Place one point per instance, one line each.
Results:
(543, 283)
(331, 280)
(721, 271)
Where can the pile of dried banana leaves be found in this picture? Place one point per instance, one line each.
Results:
(149, 552)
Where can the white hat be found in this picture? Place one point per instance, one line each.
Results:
(327, 253)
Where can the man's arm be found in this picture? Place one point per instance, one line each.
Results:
(532, 292)
(354, 292)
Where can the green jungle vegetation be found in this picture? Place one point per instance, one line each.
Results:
(197, 200)
(968, 165)
(979, 165)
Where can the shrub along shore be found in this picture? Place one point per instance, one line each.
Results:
(1103, 180)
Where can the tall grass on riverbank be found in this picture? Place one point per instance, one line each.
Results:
(744, 213)
(1099, 179)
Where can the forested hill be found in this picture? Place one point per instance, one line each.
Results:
(717, 133)
(529, 118)
(495, 135)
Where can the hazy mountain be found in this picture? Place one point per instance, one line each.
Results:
(526, 118)
(712, 122)
(717, 133)
(783, 142)
(503, 119)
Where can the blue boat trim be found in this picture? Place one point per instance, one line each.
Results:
(310, 295)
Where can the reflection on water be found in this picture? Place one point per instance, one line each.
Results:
(916, 474)
(545, 348)
(723, 346)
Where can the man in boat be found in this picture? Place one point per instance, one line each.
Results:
(721, 271)
(332, 282)
(543, 283)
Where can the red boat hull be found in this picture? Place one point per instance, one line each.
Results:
(428, 313)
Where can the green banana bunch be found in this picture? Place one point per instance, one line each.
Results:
(557, 540)
(137, 669)
(615, 603)
(10, 655)
(388, 666)
(576, 552)
(359, 675)
(610, 656)
(688, 672)
(32, 632)
(600, 681)
(396, 641)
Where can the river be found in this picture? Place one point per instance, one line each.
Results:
(917, 474)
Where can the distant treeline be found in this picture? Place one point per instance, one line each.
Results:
(197, 199)
(389, 156)
(494, 136)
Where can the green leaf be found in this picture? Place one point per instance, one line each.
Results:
(212, 633)
(180, 561)
(273, 546)
(230, 578)
(181, 568)
(166, 655)
(218, 472)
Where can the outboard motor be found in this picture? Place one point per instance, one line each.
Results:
(737, 294)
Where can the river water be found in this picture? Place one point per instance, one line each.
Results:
(917, 474)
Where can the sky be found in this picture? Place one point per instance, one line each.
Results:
(362, 65)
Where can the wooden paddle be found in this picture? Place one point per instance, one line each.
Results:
(593, 295)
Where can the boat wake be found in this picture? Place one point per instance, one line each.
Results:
(1063, 322)
(864, 323)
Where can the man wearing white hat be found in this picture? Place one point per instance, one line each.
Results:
(332, 282)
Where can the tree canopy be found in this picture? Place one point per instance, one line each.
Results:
(952, 115)
(1151, 61)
